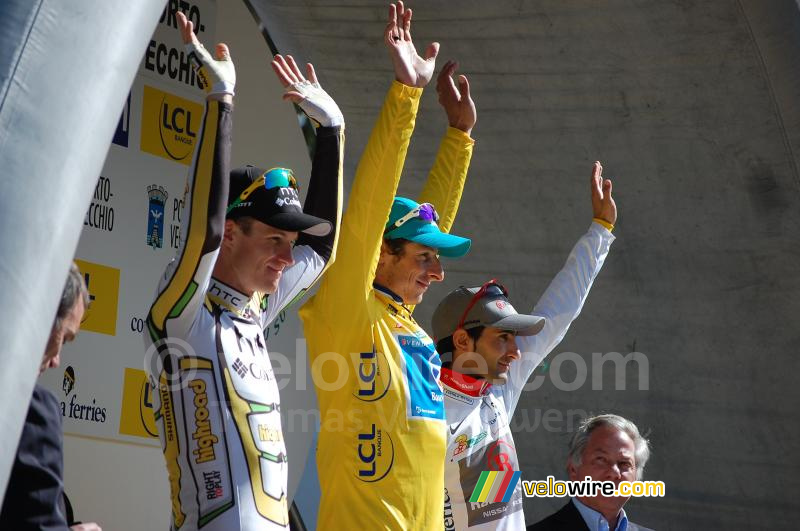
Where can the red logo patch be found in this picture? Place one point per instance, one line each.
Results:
(500, 304)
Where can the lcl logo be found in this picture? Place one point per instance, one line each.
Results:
(374, 376)
(376, 454)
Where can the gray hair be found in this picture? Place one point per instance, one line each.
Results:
(75, 287)
(581, 438)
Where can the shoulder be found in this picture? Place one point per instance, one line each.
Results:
(44, 408)
(636, 527)
(566, 518)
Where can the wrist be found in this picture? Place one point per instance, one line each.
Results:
(604, 223)
(222, 96)
(464, 128)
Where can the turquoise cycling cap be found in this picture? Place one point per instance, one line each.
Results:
(411, 221)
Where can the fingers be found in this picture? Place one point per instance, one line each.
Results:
(287, 69)
(295, 69)
(406, 24)
(186, 28)
(463, 87)
(282, 70)
(392, 33)
(447, 71)
(597, 170)
(607, 186)
(432, 51)
(311, 74)
(597, 179)
(444, 80)
(293, 96)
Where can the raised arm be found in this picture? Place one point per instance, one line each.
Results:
(446, 179)
(312, 254)
(182, 288)
(379, 170)
(563, 299)
(324, 198)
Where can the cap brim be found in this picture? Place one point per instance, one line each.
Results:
(448, 245)
(521, 324)
(299, 222)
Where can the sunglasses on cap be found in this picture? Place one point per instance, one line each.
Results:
(425, 212)
(490, 288)
(274, 178)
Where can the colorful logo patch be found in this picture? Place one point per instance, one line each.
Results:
(495, 486)
(463, 443)
(422, 368)
(156, 198)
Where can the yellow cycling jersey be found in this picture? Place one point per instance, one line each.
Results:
(382, 440)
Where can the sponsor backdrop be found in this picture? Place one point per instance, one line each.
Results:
(113, 463)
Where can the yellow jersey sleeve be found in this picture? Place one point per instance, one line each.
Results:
(349, 279)
(447, 176)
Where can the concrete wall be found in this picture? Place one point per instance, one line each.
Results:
(693, 108)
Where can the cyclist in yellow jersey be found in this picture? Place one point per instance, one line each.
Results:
(382, 440)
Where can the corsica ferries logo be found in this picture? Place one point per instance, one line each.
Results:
(76, 408)
(157, 197)
(169, 125)
(69, 381)
(375, 454)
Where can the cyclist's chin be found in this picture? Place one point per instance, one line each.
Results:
(269, 282)
(499, 378)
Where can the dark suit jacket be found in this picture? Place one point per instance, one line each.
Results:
(35, 488)
(569, 519)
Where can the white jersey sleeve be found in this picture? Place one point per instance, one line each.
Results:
(560, 304)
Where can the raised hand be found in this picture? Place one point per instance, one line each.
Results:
(307, 93)
(409, 68)
(603, 205)
(457, 102)
(217, 76)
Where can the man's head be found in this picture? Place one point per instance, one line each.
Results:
(262, 223)
(479, 326)
(74, 301)
(607, 448)
(412, 244)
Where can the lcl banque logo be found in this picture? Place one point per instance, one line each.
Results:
(374, 376)
(169, 125)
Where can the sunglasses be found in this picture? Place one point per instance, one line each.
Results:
(486, 289)
(274, 178)
(425, 212)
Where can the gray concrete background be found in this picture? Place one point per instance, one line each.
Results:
(693, 108)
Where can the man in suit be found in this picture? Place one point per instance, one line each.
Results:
(604, 448)
(34, 497)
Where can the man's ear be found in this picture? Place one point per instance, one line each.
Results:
(385, 254)
(461, 340)
(231, 232)
(572, 471)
